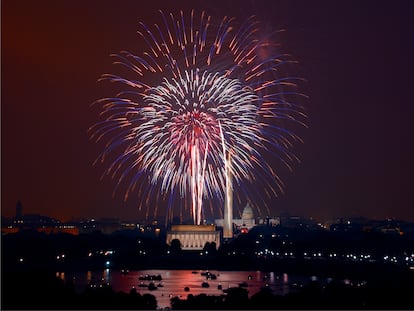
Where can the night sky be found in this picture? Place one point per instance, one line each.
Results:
(357, 58)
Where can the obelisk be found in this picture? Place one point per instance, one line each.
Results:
(228, 203)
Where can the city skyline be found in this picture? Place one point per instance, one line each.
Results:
(354, 56)
(19, 213)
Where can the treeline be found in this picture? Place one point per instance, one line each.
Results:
(333, 296)
(43, 291)
(31, 250)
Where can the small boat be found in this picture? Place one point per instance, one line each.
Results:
(142, 285)
(186, 289)
(243, 284)
(194, 272)
(150, 278)
(160, 285)
(296, 285)
(205, 284)
(158, 277)
(211, 276)
(219, 286)
(152, 286)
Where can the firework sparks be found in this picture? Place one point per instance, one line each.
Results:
(199, 89)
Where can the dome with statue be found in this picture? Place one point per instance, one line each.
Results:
(247, 212)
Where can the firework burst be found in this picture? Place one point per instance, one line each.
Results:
(200, 92)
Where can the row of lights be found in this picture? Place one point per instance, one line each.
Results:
(272, 253)
(354, 257)
(102, 252)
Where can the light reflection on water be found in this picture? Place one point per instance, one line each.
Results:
(174, 281)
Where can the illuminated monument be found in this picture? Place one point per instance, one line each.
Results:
(247, 220)
(194, 237)
(228, 204)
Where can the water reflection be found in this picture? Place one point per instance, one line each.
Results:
(271, 277)
(106, 276)
(183, 282)
(60, 275)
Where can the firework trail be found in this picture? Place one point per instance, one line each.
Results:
(200, 89)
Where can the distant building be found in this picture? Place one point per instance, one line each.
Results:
(346, 226)
(40, 223)
(129, 225)
(104, 225)
(33, 221)
(247, 221)
(390, 226)
(109, 225)
(194, 237)
(61, 228)
(269, 221)
(9, 229)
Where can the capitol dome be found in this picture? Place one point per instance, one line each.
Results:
(247, 212)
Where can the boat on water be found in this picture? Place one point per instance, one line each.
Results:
(211, 276)
(186, 289)
(150, 277)
(220, 286)
(296, 285)
(205, 285)
(243, 284)
(152, 286)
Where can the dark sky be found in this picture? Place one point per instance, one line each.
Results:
(357, 57)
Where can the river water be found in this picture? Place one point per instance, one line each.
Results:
(174, 281)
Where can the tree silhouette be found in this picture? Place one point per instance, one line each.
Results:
(175, 247)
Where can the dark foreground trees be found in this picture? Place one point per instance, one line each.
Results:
(43, 291)
(333, 296)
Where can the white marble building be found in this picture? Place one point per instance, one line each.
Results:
(247, 220)
(194, 237)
